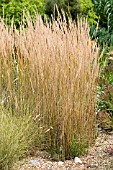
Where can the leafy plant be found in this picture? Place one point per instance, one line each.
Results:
(106, 87)
(109, 12)
(14, 9)
(87, 10)
(99, 6)
(104, 10)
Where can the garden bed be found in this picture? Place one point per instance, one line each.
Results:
(100, 156)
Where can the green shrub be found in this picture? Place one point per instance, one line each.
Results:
(14, 9)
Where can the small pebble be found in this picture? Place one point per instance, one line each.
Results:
(77, 160)
(60, 163)
(34, 162)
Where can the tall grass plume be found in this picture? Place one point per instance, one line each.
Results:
(49, 70)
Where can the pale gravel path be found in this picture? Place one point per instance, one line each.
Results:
(99, 157)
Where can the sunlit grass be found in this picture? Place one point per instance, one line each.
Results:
(49, 71)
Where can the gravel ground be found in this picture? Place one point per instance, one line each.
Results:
(99, 157)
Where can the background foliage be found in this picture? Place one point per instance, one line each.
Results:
(14, 8)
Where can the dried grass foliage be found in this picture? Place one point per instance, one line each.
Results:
(50, 70)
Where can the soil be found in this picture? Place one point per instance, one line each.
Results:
(99, 157)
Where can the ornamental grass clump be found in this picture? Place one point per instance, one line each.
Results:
(16, 138)
(49, 70)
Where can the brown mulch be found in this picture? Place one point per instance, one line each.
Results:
(99, 157)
